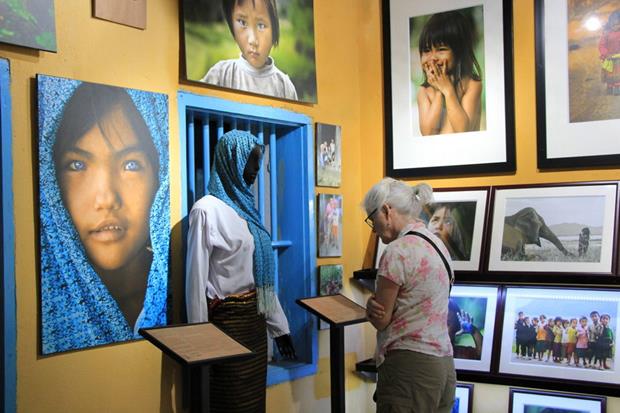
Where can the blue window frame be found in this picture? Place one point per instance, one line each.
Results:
(285, 196)
(7, 297)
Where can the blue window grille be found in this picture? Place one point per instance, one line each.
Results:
(285, 197)
(7, 297)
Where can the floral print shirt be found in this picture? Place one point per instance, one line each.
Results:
(419, 320)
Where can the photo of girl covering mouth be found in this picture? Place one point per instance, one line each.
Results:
(104, 214)
(447, 65)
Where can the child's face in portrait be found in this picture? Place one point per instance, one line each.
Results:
(594, 318)
(605, 321)
(440, 55)
(573, 323)
(583, 322)
(441, 224)
(252, 31)
(108, 184)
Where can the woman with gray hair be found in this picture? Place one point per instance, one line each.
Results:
(410, 305)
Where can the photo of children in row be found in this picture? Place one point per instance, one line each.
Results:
(579, 336)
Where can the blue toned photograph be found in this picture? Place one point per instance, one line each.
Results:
(104, 212)
(28, 23)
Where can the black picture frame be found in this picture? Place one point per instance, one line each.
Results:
(555, 400)
(504, 199)
(561, 143)
(492, 155)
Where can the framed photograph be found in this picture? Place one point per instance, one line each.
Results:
(330, 283)
(577, 83)
(536, 401)
(328, 155)
(29, 23)
(568, 334)
(330, 225)
(278, 60)
(463, 398)
(104, 212)
(563, 228)
(471, 325)
(448, 87)
(457, 217)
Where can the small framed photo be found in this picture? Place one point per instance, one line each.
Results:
(330, 283)
(463, 398)
(473, 64)
(330, 225)
(536, 401)
(328, 155)
(471, 325)
(457, 217)
(567, 334)
(563, 228)
(577, 83)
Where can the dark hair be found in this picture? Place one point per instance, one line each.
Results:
(229, 5)
(458, 245)
(455, 30)
(88, 105)
(594, 312)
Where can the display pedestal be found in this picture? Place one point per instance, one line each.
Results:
(338, 311)
(195, 347)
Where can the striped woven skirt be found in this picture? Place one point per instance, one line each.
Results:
(240, 386)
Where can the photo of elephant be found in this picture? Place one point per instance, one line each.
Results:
(553, 229)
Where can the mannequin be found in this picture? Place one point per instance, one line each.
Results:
(230, 273)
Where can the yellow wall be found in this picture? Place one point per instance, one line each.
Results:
(135, 376)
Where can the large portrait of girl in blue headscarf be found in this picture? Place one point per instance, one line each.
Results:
(104, 212)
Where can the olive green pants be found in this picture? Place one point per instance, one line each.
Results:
(414, 382)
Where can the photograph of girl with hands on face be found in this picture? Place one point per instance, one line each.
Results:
(450, 93)
(105, 221)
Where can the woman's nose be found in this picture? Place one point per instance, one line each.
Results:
(106, 192)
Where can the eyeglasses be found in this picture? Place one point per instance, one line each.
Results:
(369, 221)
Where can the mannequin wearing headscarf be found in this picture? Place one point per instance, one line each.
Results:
(230, 273)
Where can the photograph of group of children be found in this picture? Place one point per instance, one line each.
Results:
(580, 342)
(561, 333)
(328, 155)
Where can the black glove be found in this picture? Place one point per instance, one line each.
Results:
(285, 347)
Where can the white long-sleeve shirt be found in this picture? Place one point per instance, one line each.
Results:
(220, 253)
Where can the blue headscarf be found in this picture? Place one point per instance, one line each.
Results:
(77, 309)
(226, 183)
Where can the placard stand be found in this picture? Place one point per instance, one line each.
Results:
(338, 311)
(195, 347)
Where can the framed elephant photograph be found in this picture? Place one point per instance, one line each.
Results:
(561, 333)
(471, 325)
(554, 228)
(537, 401)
